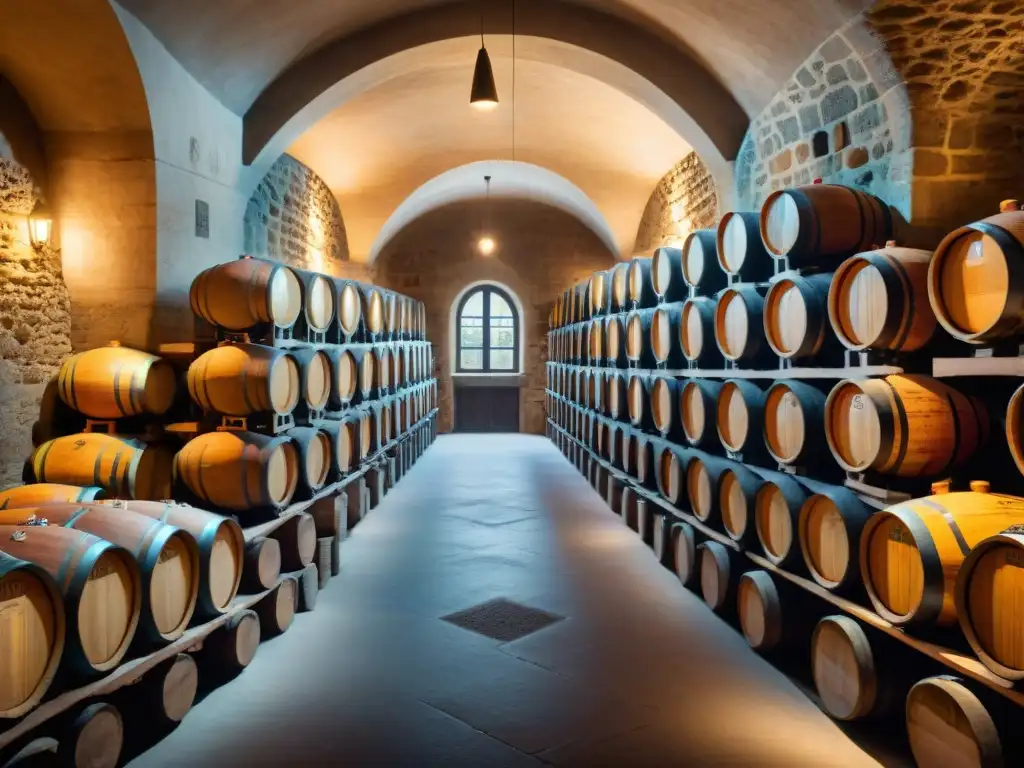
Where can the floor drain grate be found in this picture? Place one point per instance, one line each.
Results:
(502, 619)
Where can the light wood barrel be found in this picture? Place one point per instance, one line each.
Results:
(664, 400)
(639, 287)
(372, 309)
(94, 738)
(878, 300)
(314, 449)
(976, 279)
(905, 425)
(698, 402)
(796, 321)
(638, 398)
(670, 469)
(700, 266)
(120, 466)
(740, 250)
(390, 312)
(245, 293)
(317, 300)
(829, 528)
(220, 542)
(760, 610)
(599, 294)
(685, 542)
(739, 415)
(168, 559)
(667, 275)
(843, 667)
(823, 222)
(242, 379)
(39, 494)
(350, 307)
(989, 600)
(262, 565)
(777, 508)
(665, 341)
(595, 341)
(240, 470)
(114, 382)
(100, 586)
(739, 325)
(717, 582)
(344, 374)
(638, 338)
(910, 553)
(737, 489)
(703, 472)
(369, 364)
(32, 640)
(314, 377)
(697, 333)
(794, 423)
(369, 433)
(618, 278)
(948, 725)
(385, 371)
(615, 341)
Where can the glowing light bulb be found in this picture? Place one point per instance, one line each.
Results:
(486, 245)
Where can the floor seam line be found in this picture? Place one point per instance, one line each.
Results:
(484, 733)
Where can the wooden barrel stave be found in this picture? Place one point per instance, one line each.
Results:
(700, 267)
(665, 342)
(344, 367)
(670, 471)
(844, 669)
(685, 541)
(639, 287)
(315, 382)
(600, 294)
(697, 333)
(794, 424)
(315, 462)
(796, 319)
(717, 576)
(739, 415)
(121, 466)
(777, 507)
(740, 250)
(739, 326)
(667, 275)
(829, 530)
(663, 403)
(698, 402)
(619, 286)
(736, 491)
(115, 382)
(318, 300)
(638, 338)
(703, 473)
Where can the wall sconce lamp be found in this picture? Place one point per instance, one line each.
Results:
(40, 225)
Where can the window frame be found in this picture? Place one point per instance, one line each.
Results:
(487, 290)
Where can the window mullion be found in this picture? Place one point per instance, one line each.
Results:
(487, 329)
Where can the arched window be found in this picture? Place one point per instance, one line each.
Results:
(487, 332)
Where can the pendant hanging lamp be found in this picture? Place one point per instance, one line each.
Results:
(484, 94)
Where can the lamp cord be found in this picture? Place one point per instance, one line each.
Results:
(513, 81)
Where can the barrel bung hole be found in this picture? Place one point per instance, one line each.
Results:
(974, 282)
(733, 418)
(995, 604)
(895, 567)
(854, 428)
(824, 541)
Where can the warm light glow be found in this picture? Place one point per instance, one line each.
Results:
(39, 230)
(484, 105)
(486, 245)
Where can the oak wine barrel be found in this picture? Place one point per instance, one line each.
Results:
(372, 309)
(243, 379)
(314, 377)
(829, 528)
(763, 615)
(344, 375)
(698, 403)
(168, 559)
(667, 275)
(100, 586)
(33, 636)
(599, 294)
(670, 468)
(844, 668)
(615, 341)
(121, 466)
(664, 402)
(821, 223)
(638, 338)
(661, 542)
(314, 448)
(618, 278)
(262, 565)
(639, 287)
(93, 738)
(703, 475)
(115, 382)
(245, 293)
(39, 494)
(777, 508)
(740, 250)
(317, 300)
(737, 489)
(701, 268)
(369, 433)
(684, 540)
(638, 398)
(219, 539)
(240, 470)
(739, 326)
(976, 279)
(369, 376)
(794, 423)
(906, 425)
(878, 300)
(717, 579)
(665, 342)
(390, 313)
(910, 553)
(595, 341)
(740, 414)
(947, 724)
(697, 333)
(796, 320)
(989, 601)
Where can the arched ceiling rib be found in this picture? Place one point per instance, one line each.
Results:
(383, 144)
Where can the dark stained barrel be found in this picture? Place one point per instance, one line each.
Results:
(700, 266)
(796, 322)
(697, 333)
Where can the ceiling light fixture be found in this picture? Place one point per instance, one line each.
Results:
(484, 94)
(486, 243)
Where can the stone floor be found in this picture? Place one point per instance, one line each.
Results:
(639, 672)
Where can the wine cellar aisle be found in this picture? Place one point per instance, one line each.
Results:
(378, 679)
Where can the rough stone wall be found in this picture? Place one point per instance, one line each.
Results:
(963, 64)
(35, 318)
(541, 251)
(843, 118)
(294, 218)
(684, 200)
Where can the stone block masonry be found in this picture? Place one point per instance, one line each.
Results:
(684, 200)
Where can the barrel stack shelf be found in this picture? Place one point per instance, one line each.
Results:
(201, 496)
(820, 431)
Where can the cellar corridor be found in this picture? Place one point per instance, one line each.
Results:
(639, 671)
